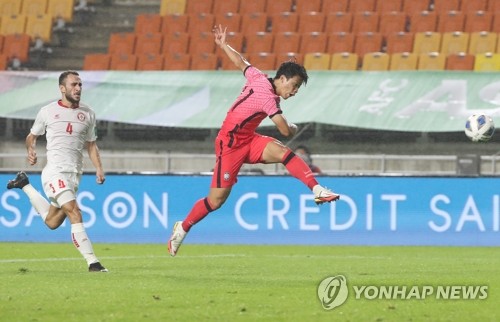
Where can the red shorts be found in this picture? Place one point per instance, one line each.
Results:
(230, 159)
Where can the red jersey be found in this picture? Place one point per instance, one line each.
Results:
(257, 100)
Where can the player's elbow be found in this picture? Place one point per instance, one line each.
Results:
(288, 133)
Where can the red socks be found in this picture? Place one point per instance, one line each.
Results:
(299, 169)
(200, 210)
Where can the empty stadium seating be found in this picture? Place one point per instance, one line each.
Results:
(381, 34)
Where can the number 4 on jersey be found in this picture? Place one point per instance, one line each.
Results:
(69, 128)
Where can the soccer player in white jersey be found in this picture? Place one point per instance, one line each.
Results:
(70, 127)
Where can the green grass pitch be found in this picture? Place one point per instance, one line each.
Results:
(50, 282)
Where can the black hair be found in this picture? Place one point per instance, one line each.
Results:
(290, 69)
(64, 75)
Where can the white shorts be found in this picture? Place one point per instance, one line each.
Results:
(60, 187)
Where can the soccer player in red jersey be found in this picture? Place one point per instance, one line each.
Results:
(238, 143)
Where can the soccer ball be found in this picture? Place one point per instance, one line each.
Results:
(479, 128)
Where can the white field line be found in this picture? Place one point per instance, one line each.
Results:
(181, 257)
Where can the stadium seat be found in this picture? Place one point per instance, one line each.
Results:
(344, 61)
(200, 22)
(13, 24)
(375, 62)
(460, 61)
(368, 42)
(303, 6)
(17, 46)
(122, 43)
(39, 27)
(247, 7)
(423, 21)
(199, 6)
(201, 42)
(226, 6)
(494, 6)
(10, 7)
(176, 61)
(172, 7)
(399, 42)
(123, 62)
(284, 21)
(4, 61)
(96, 61)
(391, 22)
(331, 6)
(365, 22)
(340, 42)
(487, 62)
(482, 42)
(431, 61)
(317, 61)
(290, 56)
(384, 6)
(313, 42)
(174, 23)
(478, 21)
(338, 22)
(263, 61)
(311, 21)
(148, 43)
(454, 42)
(467, 6)
(258, 42)
(232, 21)
(277, 6)
(411, 7)
(495, 24)
(34, 7)
(149, 62)
(147, 23)
(443, 6)
(403, 61)
(204, 61)
(235, 40)
(451, 21)
(426, 42)
(176, 43)
(253, 22)
(62, 9)
(356, 6)
(285, 42)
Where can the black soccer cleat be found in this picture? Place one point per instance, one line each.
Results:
(19, 181)
(97, 267)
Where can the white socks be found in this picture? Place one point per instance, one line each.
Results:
(317, 189)
(38, 202)
(82, 243)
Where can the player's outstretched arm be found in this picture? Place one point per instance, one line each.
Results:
(95, 157)
(235, 56)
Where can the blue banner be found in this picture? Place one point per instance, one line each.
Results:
(273, 210)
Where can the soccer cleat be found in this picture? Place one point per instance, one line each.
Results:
(325, 195)
(176, 239)
(19, 181)
(97, 267)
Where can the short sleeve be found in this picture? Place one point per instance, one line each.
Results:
(92, 132)
(40, 123)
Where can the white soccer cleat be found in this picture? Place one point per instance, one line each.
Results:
(176, 239)
(323, 195)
